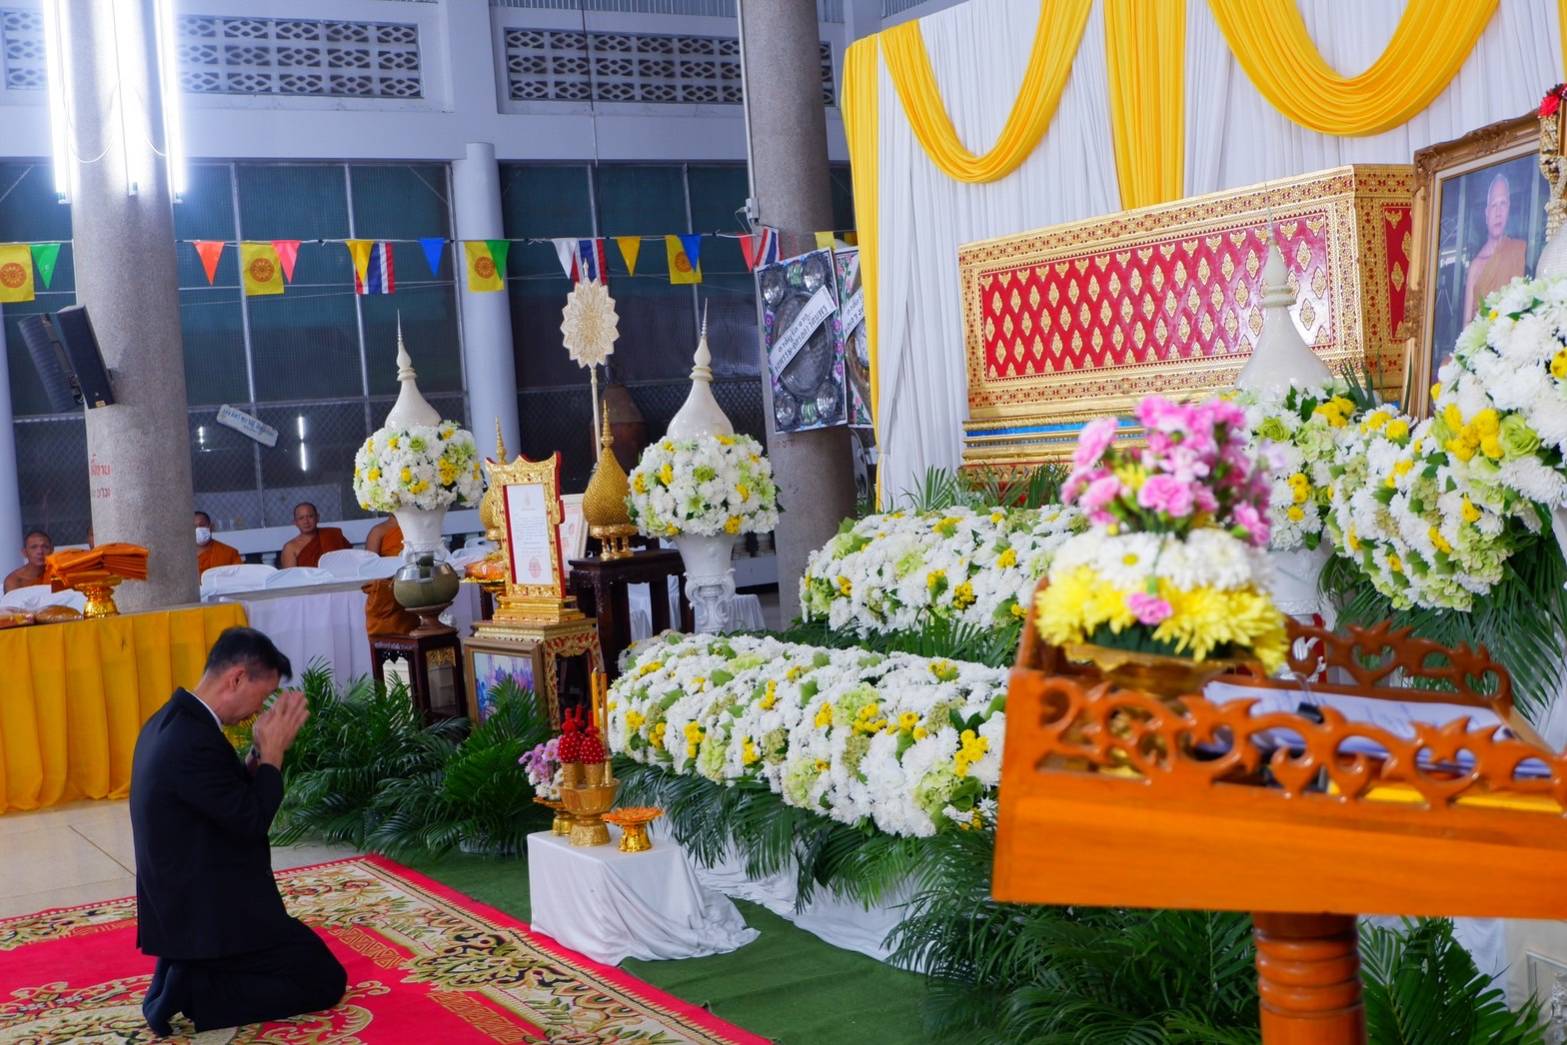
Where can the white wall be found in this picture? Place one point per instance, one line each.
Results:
(461, 60)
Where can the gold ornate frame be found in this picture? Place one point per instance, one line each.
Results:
(523, 607)
(1435, 165)
(544, 653)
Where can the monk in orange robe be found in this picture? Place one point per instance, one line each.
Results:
(210, 552)
(385, 538)
(313, 541)
(1501, 259)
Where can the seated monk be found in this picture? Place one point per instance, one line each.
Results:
(383, 614)
(36, 549)
(385, 538)
(210, 553)
(312, 543)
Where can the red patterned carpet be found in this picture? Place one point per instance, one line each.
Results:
(425, 964)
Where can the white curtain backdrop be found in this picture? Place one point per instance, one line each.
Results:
(1233, 138)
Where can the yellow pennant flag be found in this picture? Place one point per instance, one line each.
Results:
(259, 269)
(483, 272)
(359, 252)
(630, 247)
(680, 268)
(824, 241)
(16, 272)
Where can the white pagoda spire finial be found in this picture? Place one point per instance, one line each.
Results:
(701, 414)
(411, 408)
(1282, 357)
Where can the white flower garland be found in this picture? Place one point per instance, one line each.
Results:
(705, 486)
(894, 572)
(1303, 426)
(419, 466)
(909, 744)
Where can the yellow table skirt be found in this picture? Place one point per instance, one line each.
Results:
(74, 696)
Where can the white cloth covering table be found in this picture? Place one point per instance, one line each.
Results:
(611, 905)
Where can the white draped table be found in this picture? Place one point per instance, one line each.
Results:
(326, 622)
(611, 905)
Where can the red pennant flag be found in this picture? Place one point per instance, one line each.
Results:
(210, 250)
(287, 254)
(748, 250)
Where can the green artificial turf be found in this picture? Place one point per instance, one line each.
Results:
(786, 984)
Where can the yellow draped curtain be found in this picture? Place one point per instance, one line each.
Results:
(861, 81)
(1145, 45)
(1059, 31)
(1270, 41)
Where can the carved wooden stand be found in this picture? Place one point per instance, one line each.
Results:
(1114, 797)
(600, 586)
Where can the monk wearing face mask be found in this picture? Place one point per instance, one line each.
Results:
(210, 552)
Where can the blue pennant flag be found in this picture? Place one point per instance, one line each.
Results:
(434, 247)
(692, 242)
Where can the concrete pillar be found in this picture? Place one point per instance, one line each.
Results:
(787, 127)
(488, 362)
(122, 229)
(10, 486)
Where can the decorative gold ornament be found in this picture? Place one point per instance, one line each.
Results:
(561, 825)
(99, 590)
(589, 324)
(633, 823)
(588, 789)
(1167, 677)
(604, 502)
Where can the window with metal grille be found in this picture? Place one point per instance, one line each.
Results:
(554, 65)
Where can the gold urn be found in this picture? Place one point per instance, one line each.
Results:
(604, 501)
(587, 789)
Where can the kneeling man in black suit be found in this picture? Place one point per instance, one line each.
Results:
(206, 902)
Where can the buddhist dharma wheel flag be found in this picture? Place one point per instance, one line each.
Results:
(16, 272)
(260, 269)
(486, 264)
(683, 266)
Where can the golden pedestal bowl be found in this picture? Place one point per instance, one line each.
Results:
(633, 822)
(99, 590)
(1168, 678)
(561, 825)
(588, 790)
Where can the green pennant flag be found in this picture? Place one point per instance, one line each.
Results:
(45, 255)
(498, 250)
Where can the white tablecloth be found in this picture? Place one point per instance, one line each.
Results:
(611, 905)
(327, 623)
(842, 923)
(747, 611)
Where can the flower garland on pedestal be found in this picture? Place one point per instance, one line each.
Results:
(1174, 564)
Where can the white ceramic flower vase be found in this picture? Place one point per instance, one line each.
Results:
(1296, 575)
(710, 580)
(421, 531)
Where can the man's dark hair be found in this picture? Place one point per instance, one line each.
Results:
(251, 648)
(205, 516)
(307, 504)
(30, 534)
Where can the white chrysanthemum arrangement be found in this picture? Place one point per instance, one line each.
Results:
(704, 486)
(1303, 427)
(418, 466)
(897, 571)
(909, 744)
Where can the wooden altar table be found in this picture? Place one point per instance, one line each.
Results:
(600, 587)
(76, 695)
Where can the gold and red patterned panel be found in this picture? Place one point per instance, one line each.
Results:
(1398, 228)
(1173, 299)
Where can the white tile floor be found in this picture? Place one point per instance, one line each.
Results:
(82, 853)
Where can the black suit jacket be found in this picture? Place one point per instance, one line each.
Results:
(204, 885)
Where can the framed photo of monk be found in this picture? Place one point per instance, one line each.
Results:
(1478, 224)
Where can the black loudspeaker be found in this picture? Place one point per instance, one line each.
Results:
(54, 372)
(75, 332)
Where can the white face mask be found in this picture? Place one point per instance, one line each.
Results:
(203, 534)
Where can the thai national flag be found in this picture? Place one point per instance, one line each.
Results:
(590, 261)
(767, 246)
(378, 277)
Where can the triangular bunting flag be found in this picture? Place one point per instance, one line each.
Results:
(748, 245)
(45, 255)
(851, 238)
(259, 269)
(483, 274)
(566, 251)
(499, 248)
(682, 267)
(630, 247)
(824, 241)
(380, 274)
(359, 253)
(16, 272)
(590, 261)
(434, 249)
(210, 250)
(287, 255)
(692, 242)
